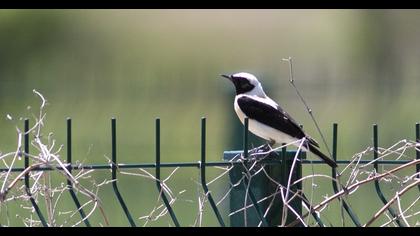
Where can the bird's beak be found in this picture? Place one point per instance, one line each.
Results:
(227, 77)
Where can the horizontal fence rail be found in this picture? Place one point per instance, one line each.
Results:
(230, 159)
(189, 164)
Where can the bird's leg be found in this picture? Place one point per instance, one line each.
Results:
(267, 146)
(263, 150)
(257, 149)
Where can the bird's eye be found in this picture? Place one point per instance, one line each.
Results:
(242, 85)
(246, 85)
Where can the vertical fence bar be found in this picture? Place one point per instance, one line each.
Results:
(114, 172)
(158, 180)
(284, 169)
(353, 217)
(69, 168)
(418, 150)
(27, 185)
(377, 186)
(246, 181)
(245, 141)
(203, 173)
(254, 201)
(296, 176)
(314, 214)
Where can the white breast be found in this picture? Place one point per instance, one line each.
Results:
(262, 130)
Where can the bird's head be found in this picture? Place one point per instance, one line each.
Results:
(246, 83)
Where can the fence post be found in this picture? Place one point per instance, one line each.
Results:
(261, 187)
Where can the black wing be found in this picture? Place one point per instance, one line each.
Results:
(273, 117)
(266, 114)
(280, 120)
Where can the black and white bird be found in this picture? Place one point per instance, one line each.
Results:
(266, 118)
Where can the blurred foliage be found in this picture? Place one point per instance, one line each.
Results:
(354, 67)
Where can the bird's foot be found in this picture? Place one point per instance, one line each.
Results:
(265, 148)
(261, 151)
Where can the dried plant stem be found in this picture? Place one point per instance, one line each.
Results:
(392, 200)
(20, 176)
(285, 200)
(356, 185)
(48, 198)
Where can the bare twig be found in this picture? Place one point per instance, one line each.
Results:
(356, 185)
(397, 196)
(292, 81)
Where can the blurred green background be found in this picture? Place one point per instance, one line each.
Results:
(354, 67)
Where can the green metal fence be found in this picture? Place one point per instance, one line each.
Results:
(280, 163)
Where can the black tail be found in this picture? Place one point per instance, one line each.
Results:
(315, 151)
